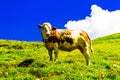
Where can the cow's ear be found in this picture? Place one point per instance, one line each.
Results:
(54, 28)
(40, 26)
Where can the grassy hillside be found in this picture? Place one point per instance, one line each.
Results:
(105, 63)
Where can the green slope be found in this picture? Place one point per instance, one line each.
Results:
(113, 37)
(105, 63)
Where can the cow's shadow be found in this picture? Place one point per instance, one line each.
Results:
(25, 63)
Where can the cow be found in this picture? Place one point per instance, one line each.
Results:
(66, 40)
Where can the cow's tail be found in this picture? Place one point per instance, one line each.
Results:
(91, 48)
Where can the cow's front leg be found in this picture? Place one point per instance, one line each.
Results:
(50, 54)
(56, 55)
(56, 51)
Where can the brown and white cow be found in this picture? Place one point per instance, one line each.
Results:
(66, 40)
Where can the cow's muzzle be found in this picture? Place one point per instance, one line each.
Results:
(47, 35)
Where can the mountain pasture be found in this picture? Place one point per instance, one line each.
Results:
(20, 60)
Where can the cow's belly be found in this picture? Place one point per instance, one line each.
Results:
(67, 47)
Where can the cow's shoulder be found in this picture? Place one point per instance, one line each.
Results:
(54, 33)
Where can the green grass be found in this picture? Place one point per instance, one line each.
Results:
(105, 63)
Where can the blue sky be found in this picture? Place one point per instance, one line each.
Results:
(19, 18)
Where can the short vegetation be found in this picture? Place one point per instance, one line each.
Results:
(20, 60)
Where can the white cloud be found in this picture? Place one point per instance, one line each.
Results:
(99, 23)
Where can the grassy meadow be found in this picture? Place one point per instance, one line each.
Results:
(105, 63)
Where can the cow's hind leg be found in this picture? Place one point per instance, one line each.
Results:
(87, 55)
(85, 52)
(50, 54)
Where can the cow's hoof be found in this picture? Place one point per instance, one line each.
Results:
(55, 59)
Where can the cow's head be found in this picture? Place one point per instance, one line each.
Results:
(46, 28)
